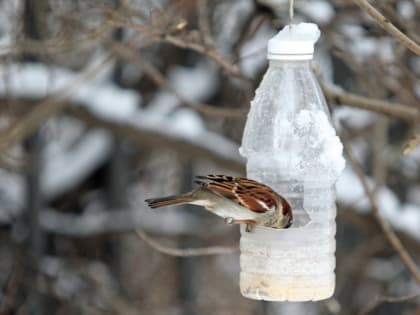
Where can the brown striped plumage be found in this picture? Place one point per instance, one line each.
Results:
(237, 199)
(246, 192)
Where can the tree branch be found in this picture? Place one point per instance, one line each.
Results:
(388, 26)
(179, 42)
(388, 299)
(203, 22)
(187, 252)
(159, 79)
(394, 110)
(386, 228)
(208, 145)
(52, 105)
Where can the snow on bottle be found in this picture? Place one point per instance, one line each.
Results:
(291, 145)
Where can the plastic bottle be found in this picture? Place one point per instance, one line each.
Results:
(291, 145)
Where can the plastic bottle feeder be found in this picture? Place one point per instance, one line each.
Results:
(291, 145)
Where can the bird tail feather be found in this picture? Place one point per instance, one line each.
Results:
(168, 201)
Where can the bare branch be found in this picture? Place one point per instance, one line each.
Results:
(203, 21)
(386, 228)
(160, 80)
(45, 109)
(14, 282)
(388, 26)
(55, 45)
(158, 36)
(394, 110)
(187, 252)
(388, 299)
(208, 145)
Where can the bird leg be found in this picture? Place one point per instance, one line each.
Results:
(249, 223)
(229, 220)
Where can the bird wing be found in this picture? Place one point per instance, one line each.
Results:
(247, 193)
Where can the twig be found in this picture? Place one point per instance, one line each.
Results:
(386, 228)
(355, 261)
(47, 108)
(388, 26)
(209, 146)
(187, 252)
(12, 285)
(54, 45)
(249, 33)
(395, 110)
(160, 80)
(104, 222)
(388, 299)
(203, 22)
(29, 122)
(182, 43)
(379, 161)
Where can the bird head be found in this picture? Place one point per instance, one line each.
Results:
(285, 215)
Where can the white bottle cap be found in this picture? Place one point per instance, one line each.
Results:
(294, 42)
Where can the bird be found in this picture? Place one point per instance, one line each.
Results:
(238, 200)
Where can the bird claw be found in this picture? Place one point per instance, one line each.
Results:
(250, 224)
(229, 220)
(249, 227)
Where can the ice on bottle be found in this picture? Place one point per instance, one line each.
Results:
(290, 144)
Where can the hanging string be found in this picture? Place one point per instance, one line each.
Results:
(291, 12)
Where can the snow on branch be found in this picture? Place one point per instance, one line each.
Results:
(108, 106)
(146, 129)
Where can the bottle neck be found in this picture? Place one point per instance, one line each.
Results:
(289, 63)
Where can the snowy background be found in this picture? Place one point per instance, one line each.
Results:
(107, 103)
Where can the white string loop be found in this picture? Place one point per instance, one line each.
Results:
(291, 11)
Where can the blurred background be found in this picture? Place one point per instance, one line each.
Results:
(107, 103)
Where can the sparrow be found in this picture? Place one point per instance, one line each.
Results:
(238, 200)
